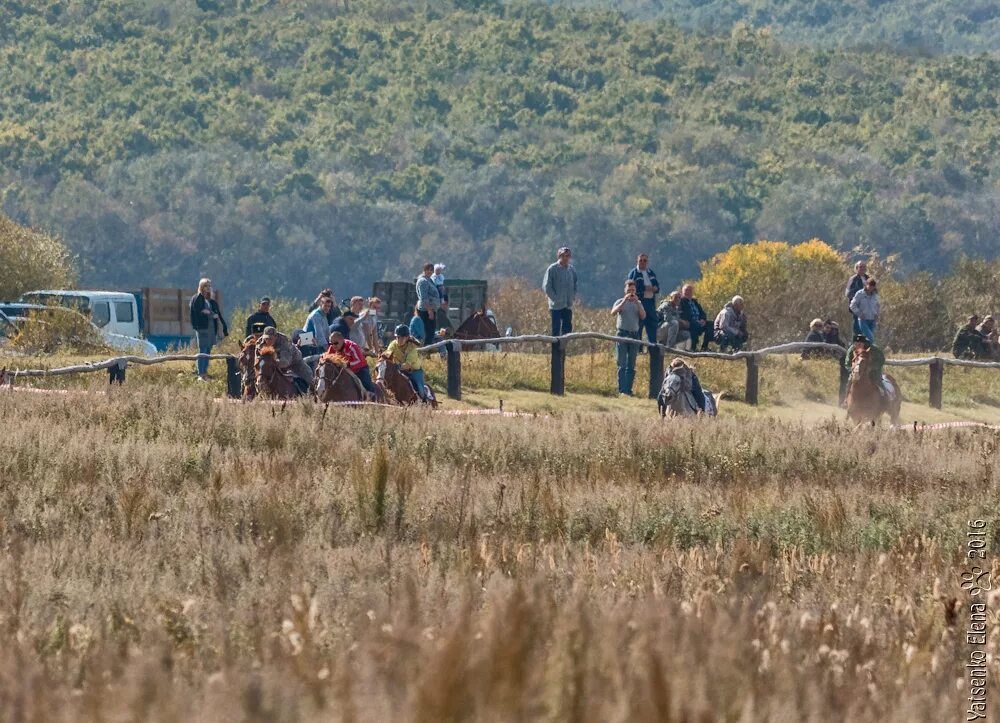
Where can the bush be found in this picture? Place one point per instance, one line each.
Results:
(51, 330)
(784, 286)
(31, 260)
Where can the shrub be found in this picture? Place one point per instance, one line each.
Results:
(30, 260)
(47, 331)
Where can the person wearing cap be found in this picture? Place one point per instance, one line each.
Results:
(403, 351)
(968, 342)
(290, 359)
(260, 318)
(815, 336)
(428, 302)
(438, 278)
(646, 288)
(865, 307)
(731, 325)
(559, 285)
(862, 342)
(355, 357)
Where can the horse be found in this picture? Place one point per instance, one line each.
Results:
(396, 386)
(865, 403)
(477, 326)
(271, 381)
(247, 361)
(677, 399)
(335, 382)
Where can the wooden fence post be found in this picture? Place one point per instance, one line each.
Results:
(655, 371)
(558, 385)
(454, 370)
(752, 379)
(936, 382)
(234, 385)
(845, 377)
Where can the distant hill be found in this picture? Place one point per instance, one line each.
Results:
(919, 26)
(283, 147)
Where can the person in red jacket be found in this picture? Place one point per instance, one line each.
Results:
(356, 361)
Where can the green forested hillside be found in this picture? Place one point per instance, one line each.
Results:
(919, 26)
(287, 146)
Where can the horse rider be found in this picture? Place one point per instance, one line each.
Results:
(678, 366)
(290, 359)
(355, 357)
(877, 357)
(403, 351)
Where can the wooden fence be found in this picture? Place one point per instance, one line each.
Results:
(117, 366)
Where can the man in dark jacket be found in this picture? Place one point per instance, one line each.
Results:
(855, 284)
(646, 288)
(205, 320)
(260, 319)
(968, 343)
(694, 316)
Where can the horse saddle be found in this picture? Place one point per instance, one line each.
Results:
(888, 388)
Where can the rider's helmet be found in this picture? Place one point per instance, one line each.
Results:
(402, 330)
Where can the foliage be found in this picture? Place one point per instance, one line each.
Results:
(57, 329)
(784, 286)
(913, 26)
(30, 259)
(289, 147)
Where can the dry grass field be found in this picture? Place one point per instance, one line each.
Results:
(171, 557)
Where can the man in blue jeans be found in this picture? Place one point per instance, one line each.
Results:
(646, 288)
(629, 317)
(559, 284)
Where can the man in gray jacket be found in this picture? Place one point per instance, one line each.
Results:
(428, 303)
(731, 326)
(559, 284)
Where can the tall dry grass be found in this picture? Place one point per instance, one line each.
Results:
(168, 557)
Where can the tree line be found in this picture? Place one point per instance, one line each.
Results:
(294, 146)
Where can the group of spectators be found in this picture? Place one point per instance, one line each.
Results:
(976, 339)
(679, 321)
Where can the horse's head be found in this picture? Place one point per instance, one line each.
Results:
(859, 366)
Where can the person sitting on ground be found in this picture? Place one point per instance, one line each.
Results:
(988, 332)
(670, 332)
(403, 351)
(694, 319)
(355, 357)
(290, 359)
(260, 319)
(968, 342)
(815, 336)
(831, 330)
(861, 343)
(731, 326)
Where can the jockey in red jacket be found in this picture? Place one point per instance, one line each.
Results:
(355, 357)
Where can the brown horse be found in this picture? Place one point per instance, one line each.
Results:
(247, 361)
(271, 381)
(477, 326)
(396, 387)
(864, 401)
(335, 382)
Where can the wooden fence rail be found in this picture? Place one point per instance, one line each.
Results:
(116, 366)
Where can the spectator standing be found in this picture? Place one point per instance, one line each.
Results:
(865, 307)
(559, 285)
(357, 309)
(260, 319)
(334, 311)
(428, 303)
(855, 284)
(670, 332)
(695, 319)
(206, 320)
(646, 288)
(318, 324)
(438, 278)
(368, 322)
(731, 325)
(629, 317)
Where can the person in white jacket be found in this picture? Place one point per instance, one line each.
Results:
(865, 306)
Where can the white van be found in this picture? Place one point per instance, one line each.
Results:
(115, 313)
